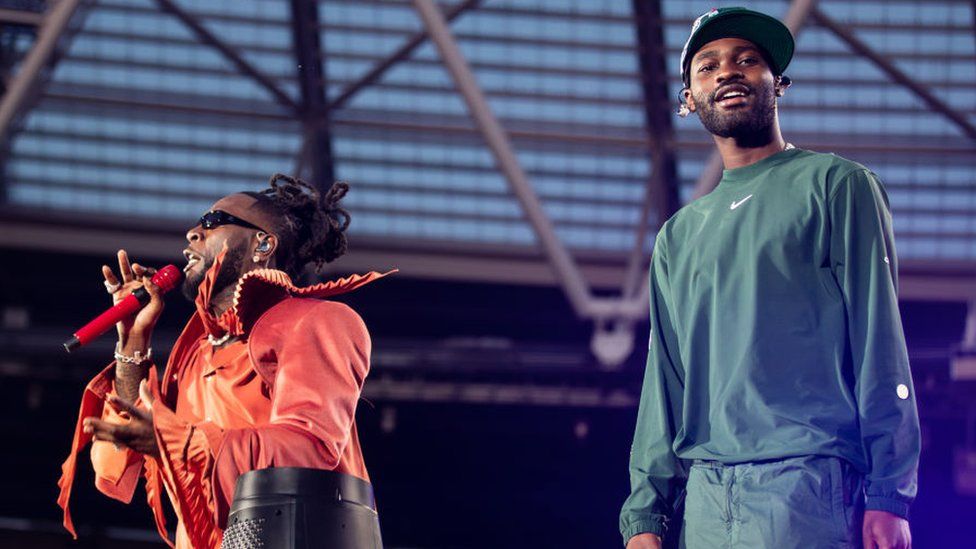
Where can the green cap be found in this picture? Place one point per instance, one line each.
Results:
(762, 30)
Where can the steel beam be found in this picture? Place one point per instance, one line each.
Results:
(20, 17)
(541, 68)
(208, 38)
(613, 337)
(400, 54)
(794, 20)
(300, 169)
(387, 31)
(24, 83)
(861, 48)
(661, 191)
(317, 146)
(138, 103)
(566, 270)
(449, 128)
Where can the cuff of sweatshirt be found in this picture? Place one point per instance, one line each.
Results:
(653, 525)
(891, 505)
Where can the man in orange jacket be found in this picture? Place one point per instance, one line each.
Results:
(265, 374)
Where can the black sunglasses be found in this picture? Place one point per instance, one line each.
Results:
(216, 218)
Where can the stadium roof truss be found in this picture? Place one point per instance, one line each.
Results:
(521, 141)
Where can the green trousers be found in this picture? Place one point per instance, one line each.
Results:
(805, 502)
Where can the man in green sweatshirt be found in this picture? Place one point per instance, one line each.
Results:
(777, 398)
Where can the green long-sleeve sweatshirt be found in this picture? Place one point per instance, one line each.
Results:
(775, 333)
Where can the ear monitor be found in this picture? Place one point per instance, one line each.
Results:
(264, 246)
(785, 81)
(683, 110)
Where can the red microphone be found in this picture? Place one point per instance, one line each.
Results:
(166, 278)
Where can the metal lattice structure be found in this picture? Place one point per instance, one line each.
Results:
(519, 141)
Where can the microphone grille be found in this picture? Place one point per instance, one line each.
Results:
(168, 277)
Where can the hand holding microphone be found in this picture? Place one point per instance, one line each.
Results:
(137, 303)
(132, 277)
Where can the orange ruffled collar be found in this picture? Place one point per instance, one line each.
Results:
(260, 289)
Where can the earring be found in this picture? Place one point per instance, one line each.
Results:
(256, 258)
(683, 110)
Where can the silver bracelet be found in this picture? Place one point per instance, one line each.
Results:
(137, 359)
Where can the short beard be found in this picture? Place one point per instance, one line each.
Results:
(230, 273)
(750, 127)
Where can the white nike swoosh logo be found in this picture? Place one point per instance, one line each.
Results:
(736, 204)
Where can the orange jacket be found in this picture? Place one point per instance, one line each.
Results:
(290, 401)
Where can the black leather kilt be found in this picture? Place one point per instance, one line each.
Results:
(298, 508)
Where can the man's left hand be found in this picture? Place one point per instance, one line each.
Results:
(138, 434)
(883, 530)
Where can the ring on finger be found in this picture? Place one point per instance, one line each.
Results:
(112, 288)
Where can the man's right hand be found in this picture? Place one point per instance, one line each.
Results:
(644, 541)
(139, 327)
(135, 332)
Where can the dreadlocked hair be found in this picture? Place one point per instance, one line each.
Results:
(311, 228)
